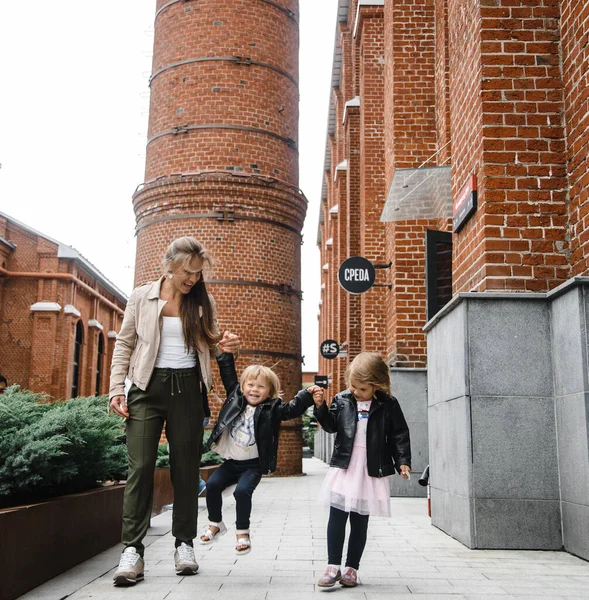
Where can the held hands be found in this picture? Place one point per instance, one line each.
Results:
(405, 472)
(317, 393)
(229, 343)
(118, 404)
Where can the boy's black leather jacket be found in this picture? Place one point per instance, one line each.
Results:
(267, 416)
(387, 435)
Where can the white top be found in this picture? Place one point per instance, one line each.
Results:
(238, 441)
(363, 413)
(172, 353)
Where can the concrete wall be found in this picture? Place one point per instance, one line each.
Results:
(570, 350)
(507, 394)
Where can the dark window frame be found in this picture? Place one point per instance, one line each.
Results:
(99, 363)
(77, 365)
(433, 237)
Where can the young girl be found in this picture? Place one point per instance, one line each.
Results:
(246, 435)
(372, 440)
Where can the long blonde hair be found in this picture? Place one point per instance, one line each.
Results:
(195, 327)
(369, 367)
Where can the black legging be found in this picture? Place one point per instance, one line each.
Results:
(336, 531)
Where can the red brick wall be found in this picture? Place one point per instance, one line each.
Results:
(575, 59)
(509, 133)
(410, 140)
(505, 83)
(372, 171)
(223, 136)
(36, 348)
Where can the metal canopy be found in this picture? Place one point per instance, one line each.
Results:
(419, 193)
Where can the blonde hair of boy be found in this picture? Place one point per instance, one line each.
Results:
(255, 371)
(369, 367)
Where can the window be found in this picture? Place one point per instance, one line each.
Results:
(438, 270)
(99, 360)
(77, 359)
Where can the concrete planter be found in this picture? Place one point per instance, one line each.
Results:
(42, 540)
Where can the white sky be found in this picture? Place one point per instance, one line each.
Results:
(73, 122)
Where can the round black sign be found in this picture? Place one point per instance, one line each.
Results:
(356, 275)
(329, 349)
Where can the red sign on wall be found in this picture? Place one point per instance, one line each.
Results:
(465, 203)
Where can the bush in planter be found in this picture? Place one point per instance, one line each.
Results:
(309, 428)
(53, 448)
(163, 457)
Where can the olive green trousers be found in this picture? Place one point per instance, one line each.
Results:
(173, 397)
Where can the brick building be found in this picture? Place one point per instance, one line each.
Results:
(58, 315)
(222, 166)
(437, 106)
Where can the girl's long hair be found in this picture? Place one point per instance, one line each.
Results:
(369, 367)
(197, 329)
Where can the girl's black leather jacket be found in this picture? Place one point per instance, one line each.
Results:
(387, 435)
(267, 417)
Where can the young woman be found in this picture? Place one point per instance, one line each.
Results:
(164, 348)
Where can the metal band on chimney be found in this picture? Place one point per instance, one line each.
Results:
(282, 288)
(250, 352)
(186, 128)
(219, 216)
(285, 10)
(240, 60)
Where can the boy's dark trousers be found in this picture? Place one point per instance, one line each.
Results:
(247, 474)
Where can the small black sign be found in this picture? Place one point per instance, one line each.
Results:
(465, 204)
(321, 381)
(356, 275)
(329, 349)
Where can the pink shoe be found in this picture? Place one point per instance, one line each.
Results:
(349, 578)
(331, 576)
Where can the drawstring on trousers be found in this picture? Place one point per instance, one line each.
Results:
(172, 375)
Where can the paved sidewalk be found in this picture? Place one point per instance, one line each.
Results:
(405, 556)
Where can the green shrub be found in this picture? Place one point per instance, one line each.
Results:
(53, 448)
(163, 456)
(309, 428)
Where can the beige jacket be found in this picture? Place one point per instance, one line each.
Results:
(138, 341)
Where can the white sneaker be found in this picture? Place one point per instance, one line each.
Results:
(130, 569)
(184, 558)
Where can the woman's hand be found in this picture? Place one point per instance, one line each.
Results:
(230, 343)
(405, 472)
(119, 405)
(317, 393)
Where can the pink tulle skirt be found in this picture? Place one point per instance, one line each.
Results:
(353, 490)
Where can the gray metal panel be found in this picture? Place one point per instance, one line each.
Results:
(573, 456)
(567, 339)
(450, 446)
(447, 357)
(509, 348)
(514, 448)
(575, 529)
(518, 524)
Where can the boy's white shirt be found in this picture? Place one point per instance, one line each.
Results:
(238, 441)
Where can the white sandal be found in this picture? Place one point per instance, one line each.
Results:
(243, 541)
(212, 536)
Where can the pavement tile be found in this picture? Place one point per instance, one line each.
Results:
(405, 556)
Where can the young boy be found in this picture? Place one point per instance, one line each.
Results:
(246, 435)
